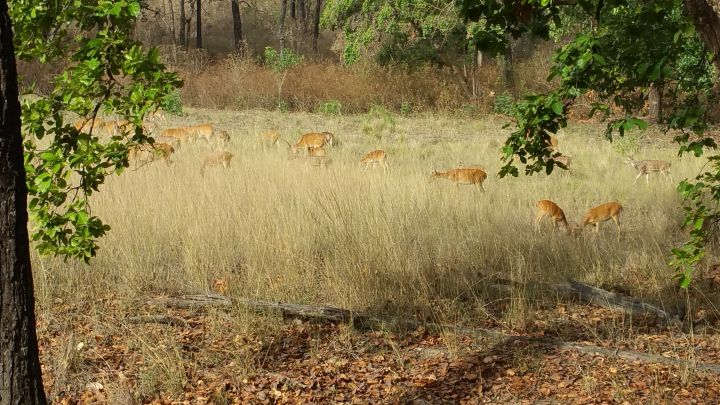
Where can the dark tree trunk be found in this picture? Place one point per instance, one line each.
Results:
(172, 18)
(237, 25)
(707, 21)
(507, 68)
(20, 377)
(182, 39)
(292, 10)
(655, 104)
(198, 22)
(301, 10)
(281, 24)
(316, 24)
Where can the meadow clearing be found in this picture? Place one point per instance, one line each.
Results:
(388, 244)
(397, 242)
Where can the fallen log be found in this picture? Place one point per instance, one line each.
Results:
(588, 294)
(339, 315)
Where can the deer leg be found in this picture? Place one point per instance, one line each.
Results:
(647, 178)
(538, 217)
(637, 177)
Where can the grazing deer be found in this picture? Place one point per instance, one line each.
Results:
(649, 166)
(204, 131)
(601, 213)
(269, 138)
(87, 125)
(157, 116)
(215, 159)
(553, 147)
(222, 139)
(309, 140)
(373, 158)
(316, 152)
(117, 127)
(144, 154)
(329, 138)
(463, 176)
(180, 133)
(547, 208)
(562, 159)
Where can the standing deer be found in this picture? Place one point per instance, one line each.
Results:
(309, 140)
(269, 138)
(649, 166)
(547, 208)
(215, 159)
(463, 176)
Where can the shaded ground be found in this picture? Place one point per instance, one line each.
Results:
(92, 354)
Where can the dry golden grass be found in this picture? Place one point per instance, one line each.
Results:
(400, 244)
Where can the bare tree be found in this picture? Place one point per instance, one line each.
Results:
(20, 374)
(237, 24)
(182, 38)
(316, 24)
(281, 24)
(198, 22)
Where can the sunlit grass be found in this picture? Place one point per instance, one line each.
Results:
(397, 243)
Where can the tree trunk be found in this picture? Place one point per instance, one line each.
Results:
(182, 38)
(655, 103)
(316, 24)
(237, 25)
(292, 10)
(507, 68)
(301, 10)
(20, 377)
(172, 19)
(198, 22)
(706, 15)
(281, 24)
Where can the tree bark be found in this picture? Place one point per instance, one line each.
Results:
(182, 37)
(292, 10)
(281, 24)
(198, 22)
(20, 376)
(655, 103)
(507, 68)
(237, 25)
(316, 24)
(706, 15)
(301, 9)
(172, 19)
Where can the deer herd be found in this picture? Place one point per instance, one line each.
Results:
(311, 148)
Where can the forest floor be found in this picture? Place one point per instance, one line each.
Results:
(209, 360)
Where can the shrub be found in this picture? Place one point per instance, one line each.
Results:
(627, 145)
(331, 107)
(173, 103)
(378, 123)
(504, 104)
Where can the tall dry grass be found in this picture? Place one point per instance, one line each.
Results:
(394, 244)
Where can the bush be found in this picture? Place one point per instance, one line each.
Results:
(173, 103)
(627, 145)
(504, 104)
(378, 123)
(332, 107)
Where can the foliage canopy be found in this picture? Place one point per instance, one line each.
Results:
(107, 71)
